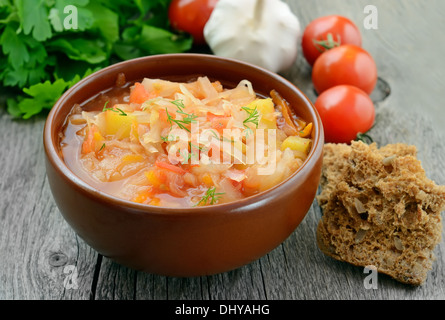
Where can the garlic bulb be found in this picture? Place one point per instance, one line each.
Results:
(261, 32)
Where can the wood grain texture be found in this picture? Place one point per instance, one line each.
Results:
(39, 251)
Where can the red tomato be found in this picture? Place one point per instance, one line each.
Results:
(345, 111)
(347, 64)
(191, 16)
(316, 39)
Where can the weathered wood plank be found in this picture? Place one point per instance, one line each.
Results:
(151, 287)
(35, 242)
(115, 282)
(239, 284)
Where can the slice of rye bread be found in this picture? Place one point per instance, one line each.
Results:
(379, 209)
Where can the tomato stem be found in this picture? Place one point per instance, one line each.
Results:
(329, 43)
(364, 137)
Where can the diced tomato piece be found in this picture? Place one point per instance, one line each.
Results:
(163, 115)
(219, 123)
(89, 143)
(139, 94)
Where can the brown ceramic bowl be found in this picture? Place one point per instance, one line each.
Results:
(189, 241)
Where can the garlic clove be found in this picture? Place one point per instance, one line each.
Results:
(265, 33)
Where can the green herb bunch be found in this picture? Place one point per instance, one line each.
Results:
(46, 46)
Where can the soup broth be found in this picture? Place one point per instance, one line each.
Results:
(184, 144)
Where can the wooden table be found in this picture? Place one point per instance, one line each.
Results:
(42, 258)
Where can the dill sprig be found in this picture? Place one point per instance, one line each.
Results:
(178, 103)
(167, 138)
(105, 106)
(180, 123)
(253, 116)
(211, 196)
(117, 110)
(188, 119)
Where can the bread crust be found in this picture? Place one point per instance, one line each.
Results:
(380, 209)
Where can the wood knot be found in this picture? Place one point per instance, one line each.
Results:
(58, 259)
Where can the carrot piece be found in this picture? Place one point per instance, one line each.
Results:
(163, 115)
(211, 116)
(170, 167)
(207, 179)
(153, 179)
(155, 202)
(252, 183)
(139, 94)
(306, 132)
(143, 196)
(89, 143)
(130, 158)
(286, 112)
(218, 86)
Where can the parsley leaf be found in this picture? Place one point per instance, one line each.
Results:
(90, 51)
(42, 54)
(34, 18)
(39, 97)
(42, 96)
(14, 46)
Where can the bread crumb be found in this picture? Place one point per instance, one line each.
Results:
(380, 209)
